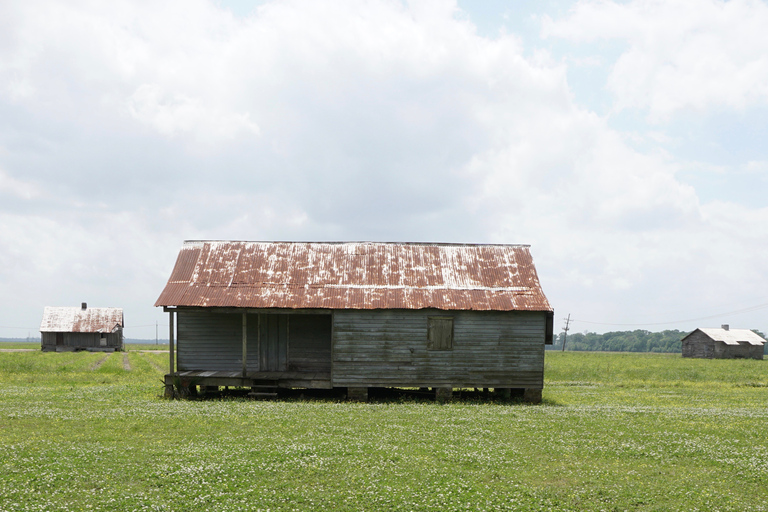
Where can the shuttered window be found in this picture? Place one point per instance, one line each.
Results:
(439, 332)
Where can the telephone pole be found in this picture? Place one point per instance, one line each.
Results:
(567, 324)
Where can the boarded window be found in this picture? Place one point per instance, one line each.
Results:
(439, 332)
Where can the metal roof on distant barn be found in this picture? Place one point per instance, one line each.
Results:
(73, 319)
(731, 336)
(354, 275)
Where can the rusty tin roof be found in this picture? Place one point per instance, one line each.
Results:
(354, 275)
(64, 319)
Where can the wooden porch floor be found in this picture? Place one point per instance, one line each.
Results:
(310, 380)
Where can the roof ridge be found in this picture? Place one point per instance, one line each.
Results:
(343, 242)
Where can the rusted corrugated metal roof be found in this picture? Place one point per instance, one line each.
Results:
(64, 319)
(354, 275)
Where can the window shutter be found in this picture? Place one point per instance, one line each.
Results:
(440, 333)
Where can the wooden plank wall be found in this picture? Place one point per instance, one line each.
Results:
(272, 341)
(309, 343)
(213, 341)
(698, 344)
(741, 351)
(389, 348)
(48, 339)
(82, 339)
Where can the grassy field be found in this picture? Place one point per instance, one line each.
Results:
(85, 431)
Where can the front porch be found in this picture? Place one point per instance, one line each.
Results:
(186, 382)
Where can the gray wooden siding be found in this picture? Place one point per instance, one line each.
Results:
(82, 340)
(212, 341)
(740, 351)
(389, 348)
(272, 341)
(698, 344)
(309, 348)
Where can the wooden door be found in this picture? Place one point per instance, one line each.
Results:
(273, 343)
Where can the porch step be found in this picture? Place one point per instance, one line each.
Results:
(263, 391)
(254, 394)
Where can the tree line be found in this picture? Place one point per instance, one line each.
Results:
(625, 341)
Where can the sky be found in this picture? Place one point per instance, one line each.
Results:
(624, 141)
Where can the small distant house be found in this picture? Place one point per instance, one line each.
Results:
(66, 329)
(357, 315)
(723, 343)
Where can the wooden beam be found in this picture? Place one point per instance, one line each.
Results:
(169, 378)
(170, 342)
(443, 394)
(357, 394)
(253, 311)
(245, 346)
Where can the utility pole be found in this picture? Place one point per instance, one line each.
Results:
(567, 324)
(156, 340)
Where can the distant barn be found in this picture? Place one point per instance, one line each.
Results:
(71, 328)
(268, 315)
(723, 343)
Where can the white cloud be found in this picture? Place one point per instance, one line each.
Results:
(681, 54)
(176, 113)
(17, 188)
(328, 120)
(757, 166)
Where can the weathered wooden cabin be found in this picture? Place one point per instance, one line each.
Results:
(70, 328)
(267, 315)
(723, 343)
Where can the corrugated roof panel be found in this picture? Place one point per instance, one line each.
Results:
(733, 336)
(72, 319)
(185, 263)
(354, 275)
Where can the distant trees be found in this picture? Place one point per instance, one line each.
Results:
(626, 341)
(623, 341)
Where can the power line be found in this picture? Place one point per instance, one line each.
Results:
(566, 329)
(738, 311)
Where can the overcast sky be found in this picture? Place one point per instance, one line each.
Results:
(624, 141)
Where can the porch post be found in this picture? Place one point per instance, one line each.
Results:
(169, 377)
(245, 347)
(170, 341)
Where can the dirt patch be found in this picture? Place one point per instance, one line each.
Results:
(100, 362)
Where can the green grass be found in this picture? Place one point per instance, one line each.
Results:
(20, 344)
(615, 432)
(146, 346)
(35, 345)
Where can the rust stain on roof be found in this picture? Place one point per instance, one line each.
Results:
(354, 275)
(96, 320)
